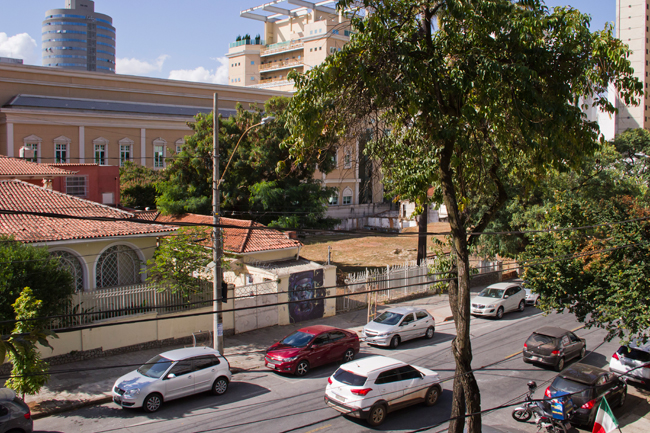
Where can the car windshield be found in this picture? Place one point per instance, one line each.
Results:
(297, 339)
(155, 367)
(389, 318)
(491, 293)
(568, 386)
(539, 339)
(349, 378)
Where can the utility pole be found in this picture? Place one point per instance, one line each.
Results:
(216, 235)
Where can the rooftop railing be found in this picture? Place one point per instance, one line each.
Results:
(247, 42)
(280, 64)
(282, 46)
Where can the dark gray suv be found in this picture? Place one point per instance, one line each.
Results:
(14, 413)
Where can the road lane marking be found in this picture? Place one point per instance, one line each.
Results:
(579, 327)
(319, 428)
(514, 354)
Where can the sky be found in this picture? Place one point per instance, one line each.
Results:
(181, 39)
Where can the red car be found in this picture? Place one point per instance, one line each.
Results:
(310, 347)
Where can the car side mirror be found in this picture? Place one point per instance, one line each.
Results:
(171, 376)
(506, 297)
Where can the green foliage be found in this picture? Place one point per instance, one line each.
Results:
(180, 261)
(29, 372)
(601, 273)
(137, 186)
(22, 265)
(259, 158)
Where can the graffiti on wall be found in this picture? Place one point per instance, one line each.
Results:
(306, 289)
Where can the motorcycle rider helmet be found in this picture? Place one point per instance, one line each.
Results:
(532, 384)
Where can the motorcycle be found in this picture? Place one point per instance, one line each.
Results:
(545, 422)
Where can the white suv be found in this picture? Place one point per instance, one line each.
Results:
(497, 299)
(399, 324)
(172, 375)
(372, 387)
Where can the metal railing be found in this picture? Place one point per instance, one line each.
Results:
(247, 42)
(282, 46)
(280, 64)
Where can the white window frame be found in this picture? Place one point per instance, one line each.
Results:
(100, 145)
(347, 196)
(62, 143)
(33, 142)
(85, 185)
(334, 199)
(179, 145)
(162, 143)
(124, 144)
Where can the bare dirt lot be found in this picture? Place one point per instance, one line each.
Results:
(355, 253)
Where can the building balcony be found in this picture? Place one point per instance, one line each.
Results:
(246, 42)
(284, 64)
(282, 47)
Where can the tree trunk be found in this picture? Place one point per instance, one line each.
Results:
(422, 237)
(467, 397)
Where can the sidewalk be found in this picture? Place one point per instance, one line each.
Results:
(89, 382)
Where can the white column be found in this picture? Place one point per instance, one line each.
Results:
(357, 158)
(82, 145)
(10, 139)
(356, 192)
(143, 147)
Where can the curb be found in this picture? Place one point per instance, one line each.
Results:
(72, 406)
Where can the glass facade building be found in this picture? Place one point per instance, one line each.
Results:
(78, 38)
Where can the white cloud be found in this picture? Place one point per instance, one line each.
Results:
(21, 46)
(203, 75)
(139, 67)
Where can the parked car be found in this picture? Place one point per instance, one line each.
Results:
(497, 299)
(554, 347)
(532, 298)
(628, 361)
(15, 416)
(311, 347)
(171, 375)
(587, 385)
(372, 387)
(399, 324)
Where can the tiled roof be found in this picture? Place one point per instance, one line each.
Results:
(21, 196)
(21, 168)
(149, 215)
(70, 164)
(241, 240)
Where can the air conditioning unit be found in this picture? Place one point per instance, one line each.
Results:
(26, 152)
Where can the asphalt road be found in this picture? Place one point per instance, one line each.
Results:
(265, 401)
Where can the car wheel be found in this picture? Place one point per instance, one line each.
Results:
(522, 305)
(394, 342)
(432, 396)
(348, 355)
(583, 352)
(302, 368)
(560, 365)
(152, 403)
(376, 415)
(220, 386)
(499, 315)
(430, 331)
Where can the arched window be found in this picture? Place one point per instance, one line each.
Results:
(62, 149)
(118, 265)
(33, 142)
(71, 263)
(347, 196)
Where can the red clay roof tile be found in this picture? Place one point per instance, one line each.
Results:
(22, 168)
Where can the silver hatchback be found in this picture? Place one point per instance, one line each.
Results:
(399, 324)
(14, 413)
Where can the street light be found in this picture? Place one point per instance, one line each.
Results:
(216, 210)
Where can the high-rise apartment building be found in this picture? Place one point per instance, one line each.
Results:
(78, 38)
(633, 28)
(297, 35)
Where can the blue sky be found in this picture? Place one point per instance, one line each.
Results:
(184, 39)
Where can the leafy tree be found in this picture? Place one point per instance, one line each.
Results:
(180, 261)
(600, 274)
(476, 95)
(29, 372)
(259, 165)
(23, 265)
(137, 186)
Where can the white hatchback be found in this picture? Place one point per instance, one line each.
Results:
(497, 299)
(632, 362)
(370, 388)
(172, 375)
(399, 324)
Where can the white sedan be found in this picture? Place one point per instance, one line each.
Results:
(497, 299)
(372, 387)
(172, 375)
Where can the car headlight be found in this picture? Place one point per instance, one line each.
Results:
(491, 306)
(383, 334)
(293, 358)
(131, 392)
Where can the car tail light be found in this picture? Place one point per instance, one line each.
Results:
(329, 380)
(525, 346)
(363, 391)
(615, 356)
(27, 415)
(588, 405)
(555, 352)
(547, 393)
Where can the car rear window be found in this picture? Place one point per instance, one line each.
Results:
(571, 387)
(636, 354)
(539, 339)
(349, 378)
